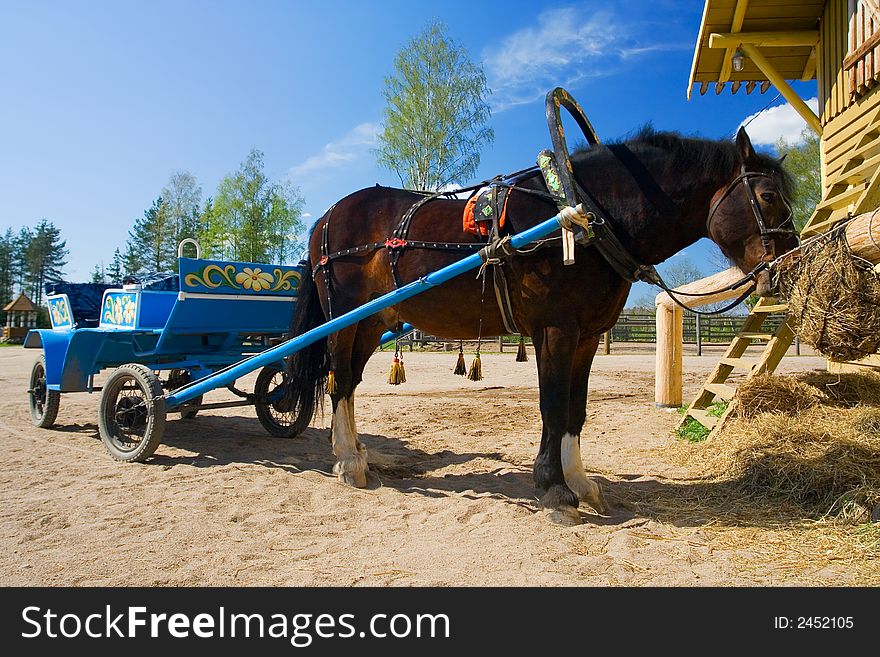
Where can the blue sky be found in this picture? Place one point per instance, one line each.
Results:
(101, 101)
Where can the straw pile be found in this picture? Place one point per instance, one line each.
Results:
(813, 440)
(833, 298)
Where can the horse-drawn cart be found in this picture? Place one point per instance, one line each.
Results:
(223, 321)
(159, 336)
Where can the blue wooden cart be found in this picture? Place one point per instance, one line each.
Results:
(222, 321)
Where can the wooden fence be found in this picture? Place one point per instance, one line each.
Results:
(633, 326)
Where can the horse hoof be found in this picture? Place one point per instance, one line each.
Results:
(594, 497)
(567, 516)
(354, 477)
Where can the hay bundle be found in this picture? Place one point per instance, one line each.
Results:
(834, 299)
(790, 395)
(826, 460)
(767, 393)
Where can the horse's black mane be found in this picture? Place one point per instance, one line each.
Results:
(712, 157)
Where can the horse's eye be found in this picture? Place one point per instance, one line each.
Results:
(768, 197)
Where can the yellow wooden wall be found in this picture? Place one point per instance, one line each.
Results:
(849, 104)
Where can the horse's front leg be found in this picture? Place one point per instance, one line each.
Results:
(572, 467)
(554, 350)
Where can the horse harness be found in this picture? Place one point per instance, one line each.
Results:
(493, 195)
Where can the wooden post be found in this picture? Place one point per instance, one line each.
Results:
(607, 342)
(667, 375)
(667, 383)
(699, 335)
(501, 344)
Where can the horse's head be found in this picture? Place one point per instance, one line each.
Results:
(750, 216)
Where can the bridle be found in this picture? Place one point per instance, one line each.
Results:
(785, 228)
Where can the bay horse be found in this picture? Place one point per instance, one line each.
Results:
(663, 192)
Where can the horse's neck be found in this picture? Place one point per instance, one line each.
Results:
(657, 216)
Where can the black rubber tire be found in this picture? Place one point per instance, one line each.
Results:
(142, 413)
(43, 402)
(276, 422)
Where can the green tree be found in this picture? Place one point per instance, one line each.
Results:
(181, 198)
(436, 113)
(115, 270)
(132, 263)
(44, 258)
(151, 241)
(98, 274)
(7, 266)
(802, 162)
(254, 219)
(22, 242)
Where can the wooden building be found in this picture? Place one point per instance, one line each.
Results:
(744, 45)
(835, 42)
(21, 316)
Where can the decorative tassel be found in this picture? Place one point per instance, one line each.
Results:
(331, 383)
(521, 355)
(398, 373)
(476, 371)
(460, 367)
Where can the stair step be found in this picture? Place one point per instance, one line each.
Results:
(721, 390)
(772, 308)
(756, 336)
(843, 199)
(703, 417)
(740, 363)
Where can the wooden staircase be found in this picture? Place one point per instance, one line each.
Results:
(717, 387)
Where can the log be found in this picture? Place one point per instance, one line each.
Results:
(863, 236)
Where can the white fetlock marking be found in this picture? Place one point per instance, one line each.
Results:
(351, 455)
(573, 470)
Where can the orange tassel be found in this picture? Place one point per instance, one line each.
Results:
(331, 383)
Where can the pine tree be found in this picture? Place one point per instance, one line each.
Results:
(114, 271)
(151, 241)
(44, 258)
(98, 274)
(132, 263)
(22, 243)
(7, 267)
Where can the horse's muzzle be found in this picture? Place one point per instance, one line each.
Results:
(764, 286)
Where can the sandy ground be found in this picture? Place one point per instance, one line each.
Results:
(451, 500)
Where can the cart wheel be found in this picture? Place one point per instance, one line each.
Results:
(269, 403)
(176, 379)
(132, 415)
(42, 401)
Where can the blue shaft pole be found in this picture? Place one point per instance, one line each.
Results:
(388, 336)
(229, 374)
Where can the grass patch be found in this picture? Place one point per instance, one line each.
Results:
(694, 432)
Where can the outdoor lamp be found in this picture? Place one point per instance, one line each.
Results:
(738, 60)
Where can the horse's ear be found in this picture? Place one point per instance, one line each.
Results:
(782, 159)
(744, 146)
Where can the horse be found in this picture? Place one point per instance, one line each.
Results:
(663, 191)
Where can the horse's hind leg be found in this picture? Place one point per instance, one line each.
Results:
(585, 488)
(350, 351)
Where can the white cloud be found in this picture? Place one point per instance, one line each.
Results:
(306, 215)
(355, 143)
(567, 45)
(781, 121)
